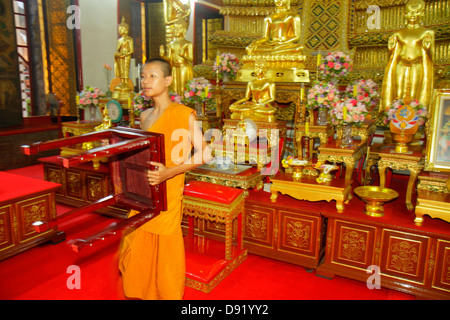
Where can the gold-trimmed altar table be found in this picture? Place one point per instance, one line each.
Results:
(314, 131)
(307, 188)
(247, 179)
(413, 161)
(332, 151)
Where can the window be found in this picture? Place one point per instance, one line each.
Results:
(23, 51)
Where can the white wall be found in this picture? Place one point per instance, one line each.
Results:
(98, 40)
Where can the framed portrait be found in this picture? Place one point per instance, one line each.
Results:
(438, 144)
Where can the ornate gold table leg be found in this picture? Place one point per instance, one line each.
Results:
(228, 236)
(411, 183)
(349, 167)
(274, 196)
(382, 172)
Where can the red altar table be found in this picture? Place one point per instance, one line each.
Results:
(24, 200)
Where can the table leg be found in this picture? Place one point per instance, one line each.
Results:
(411, 183)
(382, 173)
(228, 237)
(274, 196)
(349, 167)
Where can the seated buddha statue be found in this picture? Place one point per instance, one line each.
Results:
(281, 33)
(409, 71)
(259, 95)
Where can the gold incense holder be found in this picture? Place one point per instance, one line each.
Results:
(375, 197)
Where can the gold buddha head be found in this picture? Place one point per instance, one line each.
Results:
(124, 28)
(260, 67)
(180, 28)
(283, 4)
(414, 11)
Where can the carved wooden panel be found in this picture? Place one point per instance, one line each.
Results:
(39, 208)
(403, 255)
(54, 174)
(353, 244)
(298, 233)
(95, 187)
(441, 278)
(259, 227)
(6, 237)
(74, 185)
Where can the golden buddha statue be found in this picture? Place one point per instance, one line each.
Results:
(279, 46)
(174, 11)
(409, 72)
(122, 59)
(106, 123)
(281, 33)
(262, 93)
(180, 55)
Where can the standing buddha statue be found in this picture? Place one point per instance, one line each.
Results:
(409, 72)
(122, 59)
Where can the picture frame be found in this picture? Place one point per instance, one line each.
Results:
(438, 144)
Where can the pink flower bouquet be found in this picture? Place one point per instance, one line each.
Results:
(348, 111)
(227, 64)
(197, 90)
(89, 97)
(322, 95)
(365, 91)
(335, 65)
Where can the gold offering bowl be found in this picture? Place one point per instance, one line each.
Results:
(375, 197)
(297, 168)
(325, 172)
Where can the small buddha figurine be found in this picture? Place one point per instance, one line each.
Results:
(281, 33)
(180, 55)
(122, 57)
(262, 93)
(409, 72)
(106, 123)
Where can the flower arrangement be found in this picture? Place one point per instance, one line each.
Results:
(334, 65)
(89, 96)
(141, 102)
(418, 107)
(322, 95)
(365, 91)
(348, 111)
(227, 64)
(197, 90)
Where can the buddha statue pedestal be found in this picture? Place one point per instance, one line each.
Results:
(280, 68)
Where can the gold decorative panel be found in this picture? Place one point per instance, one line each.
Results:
(298, 233)
(403, 255)
(31, 210)
(441, 278)
(5, 227)
(355, 244)
(74, 185)
(258, 226)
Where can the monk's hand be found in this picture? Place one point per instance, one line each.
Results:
(158, 175)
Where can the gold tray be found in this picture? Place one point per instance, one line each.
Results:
(375, 197)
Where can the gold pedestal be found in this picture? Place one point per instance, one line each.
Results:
(375, 197)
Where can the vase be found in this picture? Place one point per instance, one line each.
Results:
(322, 116)
(93, 113)
(347, 135)
(200, 109)
(226, 77)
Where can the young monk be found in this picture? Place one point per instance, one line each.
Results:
(152, 259)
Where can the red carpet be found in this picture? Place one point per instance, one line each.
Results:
(41, 273)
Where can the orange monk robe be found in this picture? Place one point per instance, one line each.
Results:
(152, 260)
